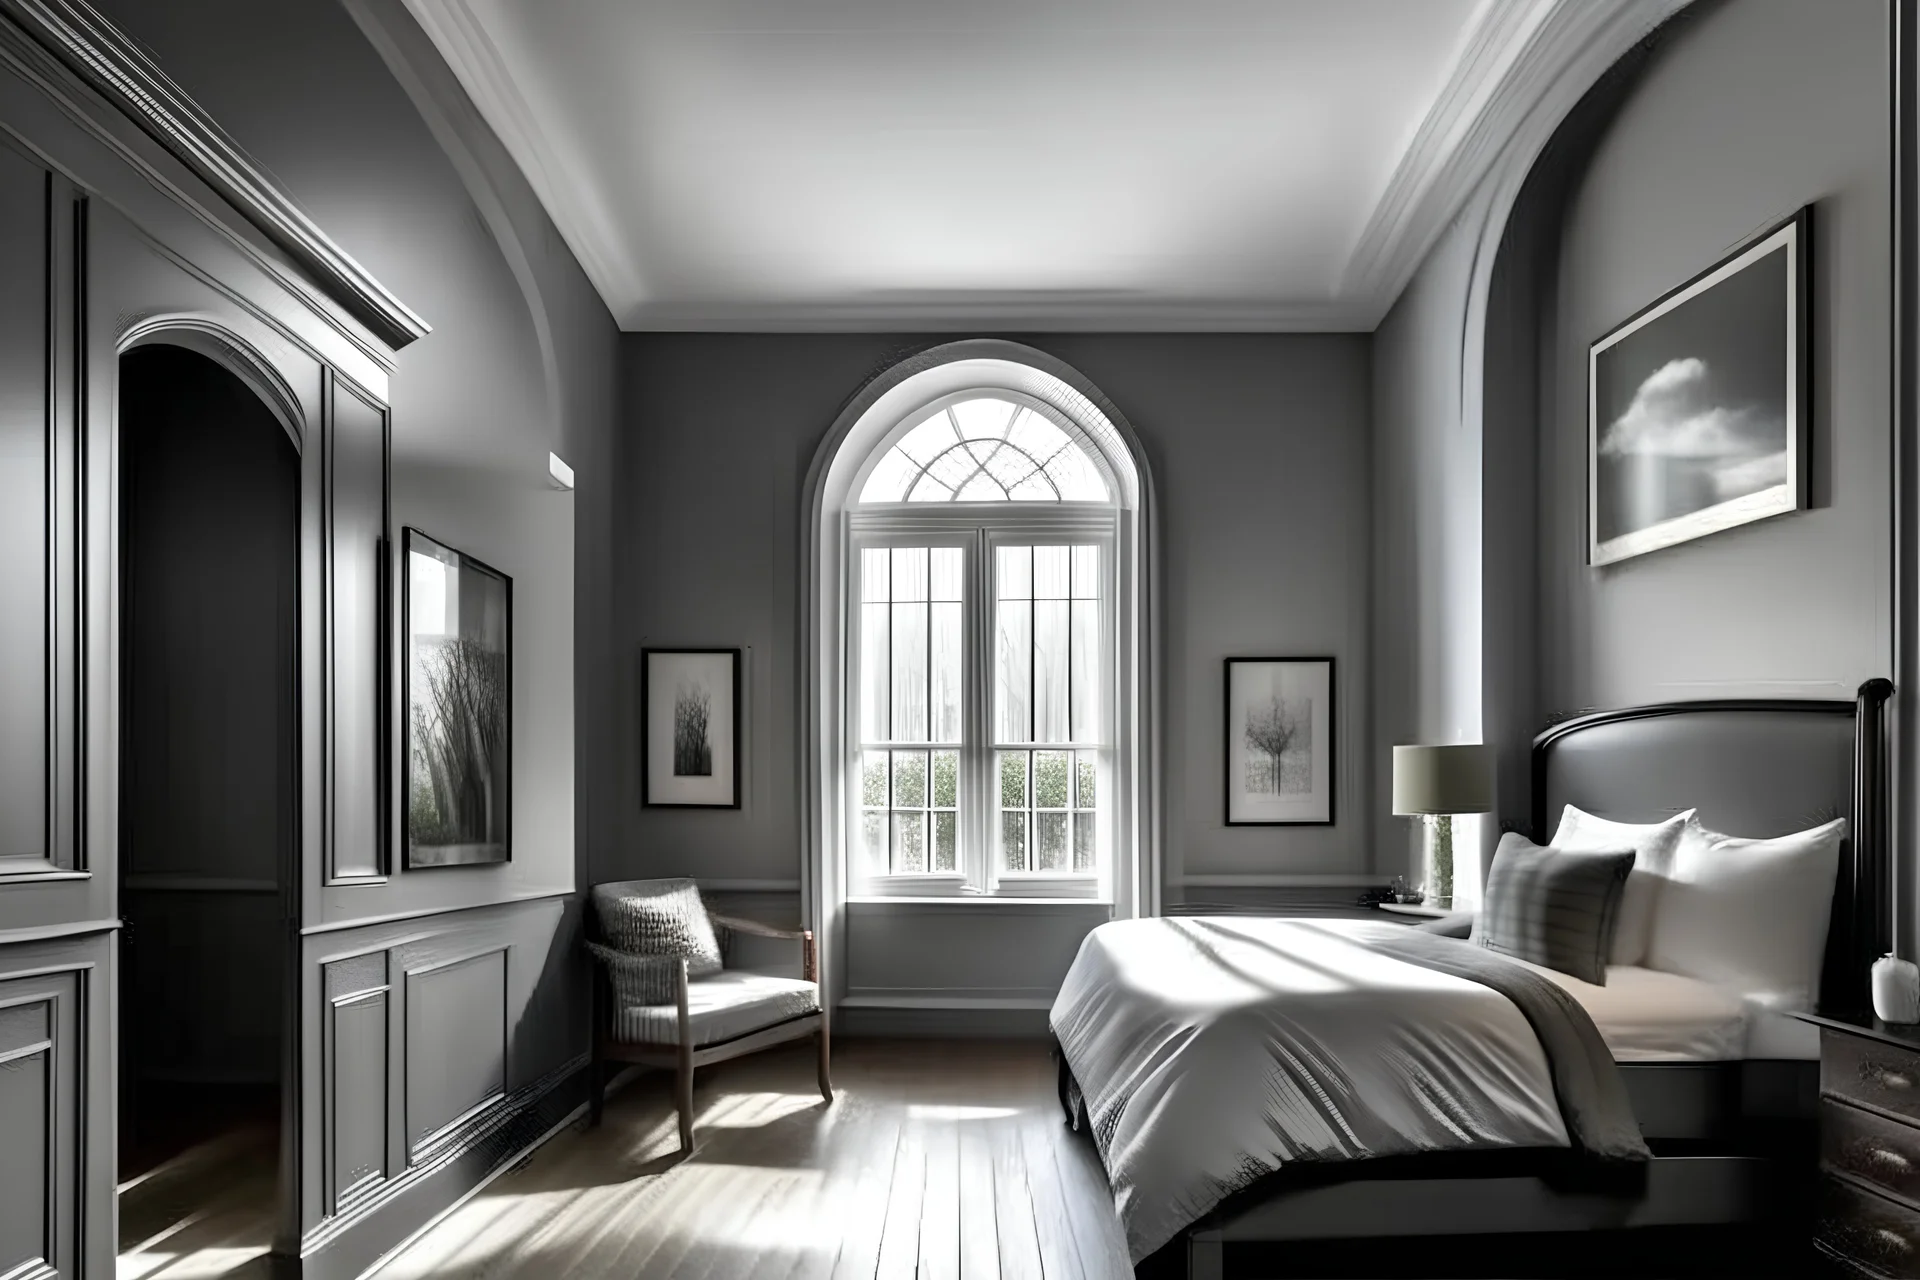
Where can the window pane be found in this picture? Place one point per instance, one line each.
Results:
(1013, 779)
(981, 488)
(984, 418)
(1010, 466)
(1013, 672)
(954, 467)
(1013, 841)
(909, 842)
(909, 573)
(929, 490)
(1084, 827)
(873, 779)
(873, 840)
(948, 575)
(1050, 573)
(946, 779)
(1085, 670)
(875, 671)
(1037, 435)
(1086, 763)
(909, 779)
(948, 633)
(1050, 841)
(1014, 572)
(1086, 573)
(888, 480)
(946, 844)
(1050, 787)
(873, 573)
(1050, 670)
(909, 671)
(929, 440)
(1035, 488)
(1076, 477)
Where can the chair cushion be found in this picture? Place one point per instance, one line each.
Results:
(733, 1003)
(658, 918)
(640, 979)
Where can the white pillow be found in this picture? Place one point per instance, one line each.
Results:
(1652, 844)
(1749, 914)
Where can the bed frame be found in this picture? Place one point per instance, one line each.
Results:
(1732, 1141)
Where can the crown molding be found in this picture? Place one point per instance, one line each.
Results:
(1524, 61)
(593, 237)
(1520, 58)
(109, 63)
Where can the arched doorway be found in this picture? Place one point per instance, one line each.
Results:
(209, 774)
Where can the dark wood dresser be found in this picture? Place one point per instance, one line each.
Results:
(1867, 1219)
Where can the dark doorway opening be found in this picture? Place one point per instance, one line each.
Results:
(209, 805)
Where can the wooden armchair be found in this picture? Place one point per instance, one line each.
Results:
(713, 1018)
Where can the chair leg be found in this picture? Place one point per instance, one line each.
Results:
(683, 1097)
(826, 1066)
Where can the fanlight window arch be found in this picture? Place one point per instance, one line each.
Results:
(986, 448)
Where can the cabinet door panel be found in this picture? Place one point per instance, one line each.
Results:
(26, 450)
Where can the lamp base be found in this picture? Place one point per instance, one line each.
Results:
(1440, 859)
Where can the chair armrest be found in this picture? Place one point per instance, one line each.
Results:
(759, 930)
(809, 957)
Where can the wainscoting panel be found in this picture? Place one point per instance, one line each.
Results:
(358, 1104)
(453, 1041)
(456, 1051)
(41, 1079)
(965, 953)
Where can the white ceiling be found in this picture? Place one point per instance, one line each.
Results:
(1014, 164)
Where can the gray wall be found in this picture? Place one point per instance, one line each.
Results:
(1747, 110)
(1259, 451)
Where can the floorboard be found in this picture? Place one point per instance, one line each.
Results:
(934, 1160)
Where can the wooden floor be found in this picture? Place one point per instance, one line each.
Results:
(207, 1212)
(935, 1160)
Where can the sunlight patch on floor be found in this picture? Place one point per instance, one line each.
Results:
(200, 1264)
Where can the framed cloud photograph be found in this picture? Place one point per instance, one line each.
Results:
(1697, 406)
(690, 744)
(1279, 741)
(459, 617)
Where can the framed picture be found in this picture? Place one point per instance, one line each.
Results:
(1697, 406)
(459, 707)
(690, 743)
(1279, 741)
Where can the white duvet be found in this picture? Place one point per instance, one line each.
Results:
(1213, 1050)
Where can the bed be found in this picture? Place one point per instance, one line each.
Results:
(1462, 1129)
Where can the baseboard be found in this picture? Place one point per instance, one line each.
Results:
(923, 1023)
(360, 1240)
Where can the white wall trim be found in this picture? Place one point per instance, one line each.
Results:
(1524, 67)
(1348, 880)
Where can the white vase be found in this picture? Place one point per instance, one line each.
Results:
(1896, 990)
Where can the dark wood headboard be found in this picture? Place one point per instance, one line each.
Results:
(1755, 767)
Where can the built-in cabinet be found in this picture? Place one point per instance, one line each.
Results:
(127, 219)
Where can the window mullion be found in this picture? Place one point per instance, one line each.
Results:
(979, 710)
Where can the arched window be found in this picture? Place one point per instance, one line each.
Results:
(989, 601)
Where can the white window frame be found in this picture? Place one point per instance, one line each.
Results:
(981, 528)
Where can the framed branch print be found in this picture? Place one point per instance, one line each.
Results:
(690, 741)
(459, 707)
(1279, 741)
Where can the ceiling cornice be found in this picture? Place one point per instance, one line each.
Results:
(476, 62)
(1526, 59)
(1520, 58)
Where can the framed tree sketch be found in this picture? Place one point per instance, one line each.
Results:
(690, 741)
(459, 707)
(1279, 742)
(1697, 406)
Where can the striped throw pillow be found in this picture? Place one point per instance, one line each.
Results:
(1553, 907)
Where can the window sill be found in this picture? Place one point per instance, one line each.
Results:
(974, 900)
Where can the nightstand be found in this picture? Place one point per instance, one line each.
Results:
(1867, 1215)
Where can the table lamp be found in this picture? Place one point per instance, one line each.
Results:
(1435, 783)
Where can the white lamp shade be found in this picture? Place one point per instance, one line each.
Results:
(1443, 780)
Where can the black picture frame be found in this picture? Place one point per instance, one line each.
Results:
(499, 762)
(650, 723)
(1728, 349)
(1280, 812)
